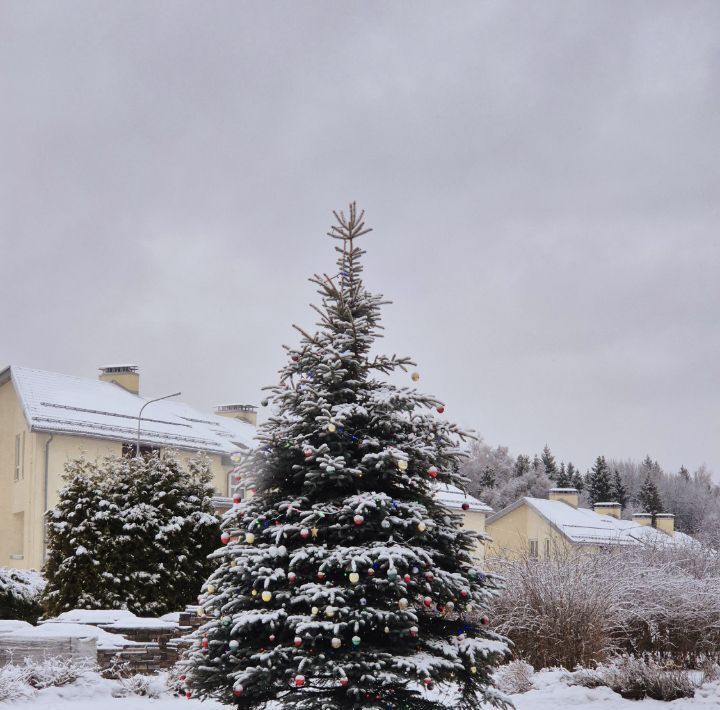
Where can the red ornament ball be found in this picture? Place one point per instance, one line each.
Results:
(464, 593)
(466, 506)
(298, 641)
(188, 694)
(304, 533)
(295, 357)
(299, 681)
(429, 576)
(427, 681)
(358, 520)
(484, 620)
(225, 538)
(440, 409)
(370, 571)
(308, 453)
(237, 692)
(343, 682)
(236, 499)
(292, 577)
(427, 601)
(432, 472)
(321, 576)
(407, 577)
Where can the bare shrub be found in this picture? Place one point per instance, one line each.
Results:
(55, 671)
(636, 678)
(580, 608)
(558, 611)
(514, 677)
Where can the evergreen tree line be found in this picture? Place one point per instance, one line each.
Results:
(499, 479)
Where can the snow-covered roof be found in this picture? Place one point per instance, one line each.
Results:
(586, 527)
(81, 406)
(452, 497)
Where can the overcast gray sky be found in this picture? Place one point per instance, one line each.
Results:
(543, 180)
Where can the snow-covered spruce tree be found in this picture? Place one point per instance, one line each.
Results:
(130, 533)
(344, 583)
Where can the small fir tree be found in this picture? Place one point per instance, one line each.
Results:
(563, 480)
(599, 485)
(620, 494)
(575, 477)
(130, 533)
(650, 499)
(684, 474)
(344, 583)
(522, 465)
(548, 461)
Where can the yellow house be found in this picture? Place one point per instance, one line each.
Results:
(539, 527)
(47, 419)
(474, 511)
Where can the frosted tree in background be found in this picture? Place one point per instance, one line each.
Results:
(344, 583)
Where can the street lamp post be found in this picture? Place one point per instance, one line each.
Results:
(150, 401)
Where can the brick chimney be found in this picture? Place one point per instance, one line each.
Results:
(125, 376)
(246, 412)
(611, 508)
(566, 495)
(666, 523)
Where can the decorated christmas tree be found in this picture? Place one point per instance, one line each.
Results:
(343, 582)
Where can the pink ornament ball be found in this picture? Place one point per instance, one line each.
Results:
(225, 538)
(299, 681)
(358, 520)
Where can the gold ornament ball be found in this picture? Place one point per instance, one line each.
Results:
(254, 592)
(473, 670)
(266, 596)
(211, 589)
(415, 376)
(250, 538)
(200, 611)
(422, 527)
(331, 427)
(330, 611)
(402, 465)
(403, 603)
(354, 577)
(314, 611)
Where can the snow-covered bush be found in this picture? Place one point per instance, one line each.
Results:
(20, 592)
(636, 678)
(130, 533)
(580, 608)
(514, 677)
(20, 681)
(12, 684)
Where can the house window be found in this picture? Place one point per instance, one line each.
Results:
(18, 457)
(129, 450)
(533, 549)
(547, 547)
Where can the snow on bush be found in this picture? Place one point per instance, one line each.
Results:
(515, 677)
(20, 592)
(636, 678)
(580, 608)
(19, 681)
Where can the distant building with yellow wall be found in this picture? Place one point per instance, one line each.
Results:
(539, 527)
(47, 419)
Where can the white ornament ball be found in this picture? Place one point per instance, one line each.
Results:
(250, 538)
(336, 643)
(354, 577)
(403, 603)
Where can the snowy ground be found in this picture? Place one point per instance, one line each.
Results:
(93, 692)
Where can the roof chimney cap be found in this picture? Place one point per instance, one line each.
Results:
(113, 369)
(235, 408)
(564, 490)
